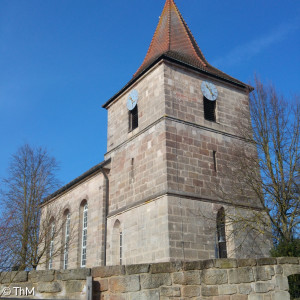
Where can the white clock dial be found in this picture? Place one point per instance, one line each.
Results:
(132, 99)
(209, 90)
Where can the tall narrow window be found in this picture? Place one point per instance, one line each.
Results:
(215, 160)
(67, 238)
(133, 118)
(117, 244)
(51, 246)
(121, 245)
(221, 236)
(84, 235)
(209, 109)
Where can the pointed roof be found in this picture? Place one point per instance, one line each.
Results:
(173, 41)
(173, 38)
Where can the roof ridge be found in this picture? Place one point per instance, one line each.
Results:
(190, 36)
(153, 39)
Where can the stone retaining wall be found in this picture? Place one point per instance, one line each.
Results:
(221, 279)
(49, 284)
(218, 279)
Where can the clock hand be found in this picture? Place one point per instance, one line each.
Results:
(208, 88)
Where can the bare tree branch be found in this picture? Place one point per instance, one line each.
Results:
(31, 177)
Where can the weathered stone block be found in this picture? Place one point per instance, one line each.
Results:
(130, 283)
(263, 287)
(249, 262)
(170, 291)
(168, 267)
(144, 295)
(263, 273)
(288, 260)
(19, 276)
(74, 286)
(75, 274)
(222, 297)
(14, 276)
(103, 285)
(137, 269)
(190, 291)
(245, 288)
(239, 297)
(282, 282)
(193, 265)
(240, 275)
(226, 263)
(207, 291)
(43, 275)
(152, 281)
(214, 276)
(266, 261)
(49, 287)
(278, 269)
(109, 296)
(104, 272)
(291, 269)
(280, 295)
(186, 278)
(209, 263)
(255, 297)
(227, 289)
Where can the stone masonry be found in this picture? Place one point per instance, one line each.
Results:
(161, 177)
(168, 160)
(91, 190)
(220, 279)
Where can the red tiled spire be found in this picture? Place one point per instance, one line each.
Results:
(174, 39)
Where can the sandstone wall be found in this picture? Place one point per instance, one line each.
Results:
(221, 279)
(49, 284)
(150, 108)
(91, 190)
(191, 168)
(184, 100)
(138, 169)
(145, 234)
(193, 235)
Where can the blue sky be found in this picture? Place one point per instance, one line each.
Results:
(60, 60)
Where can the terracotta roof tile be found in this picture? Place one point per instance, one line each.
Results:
(173, 38)
(174, 41)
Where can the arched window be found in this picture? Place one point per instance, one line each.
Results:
(51, 244)
(221, 235)
(84, 234)
(66, 239)
(117, 244)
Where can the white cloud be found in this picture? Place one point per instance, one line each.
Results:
(252, 48)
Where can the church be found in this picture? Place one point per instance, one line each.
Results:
(171, 130)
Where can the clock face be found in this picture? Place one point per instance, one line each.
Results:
(132, 99)
(209, 90)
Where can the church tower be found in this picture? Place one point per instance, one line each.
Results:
(171, 131)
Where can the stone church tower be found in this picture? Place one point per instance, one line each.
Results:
(171, 131)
